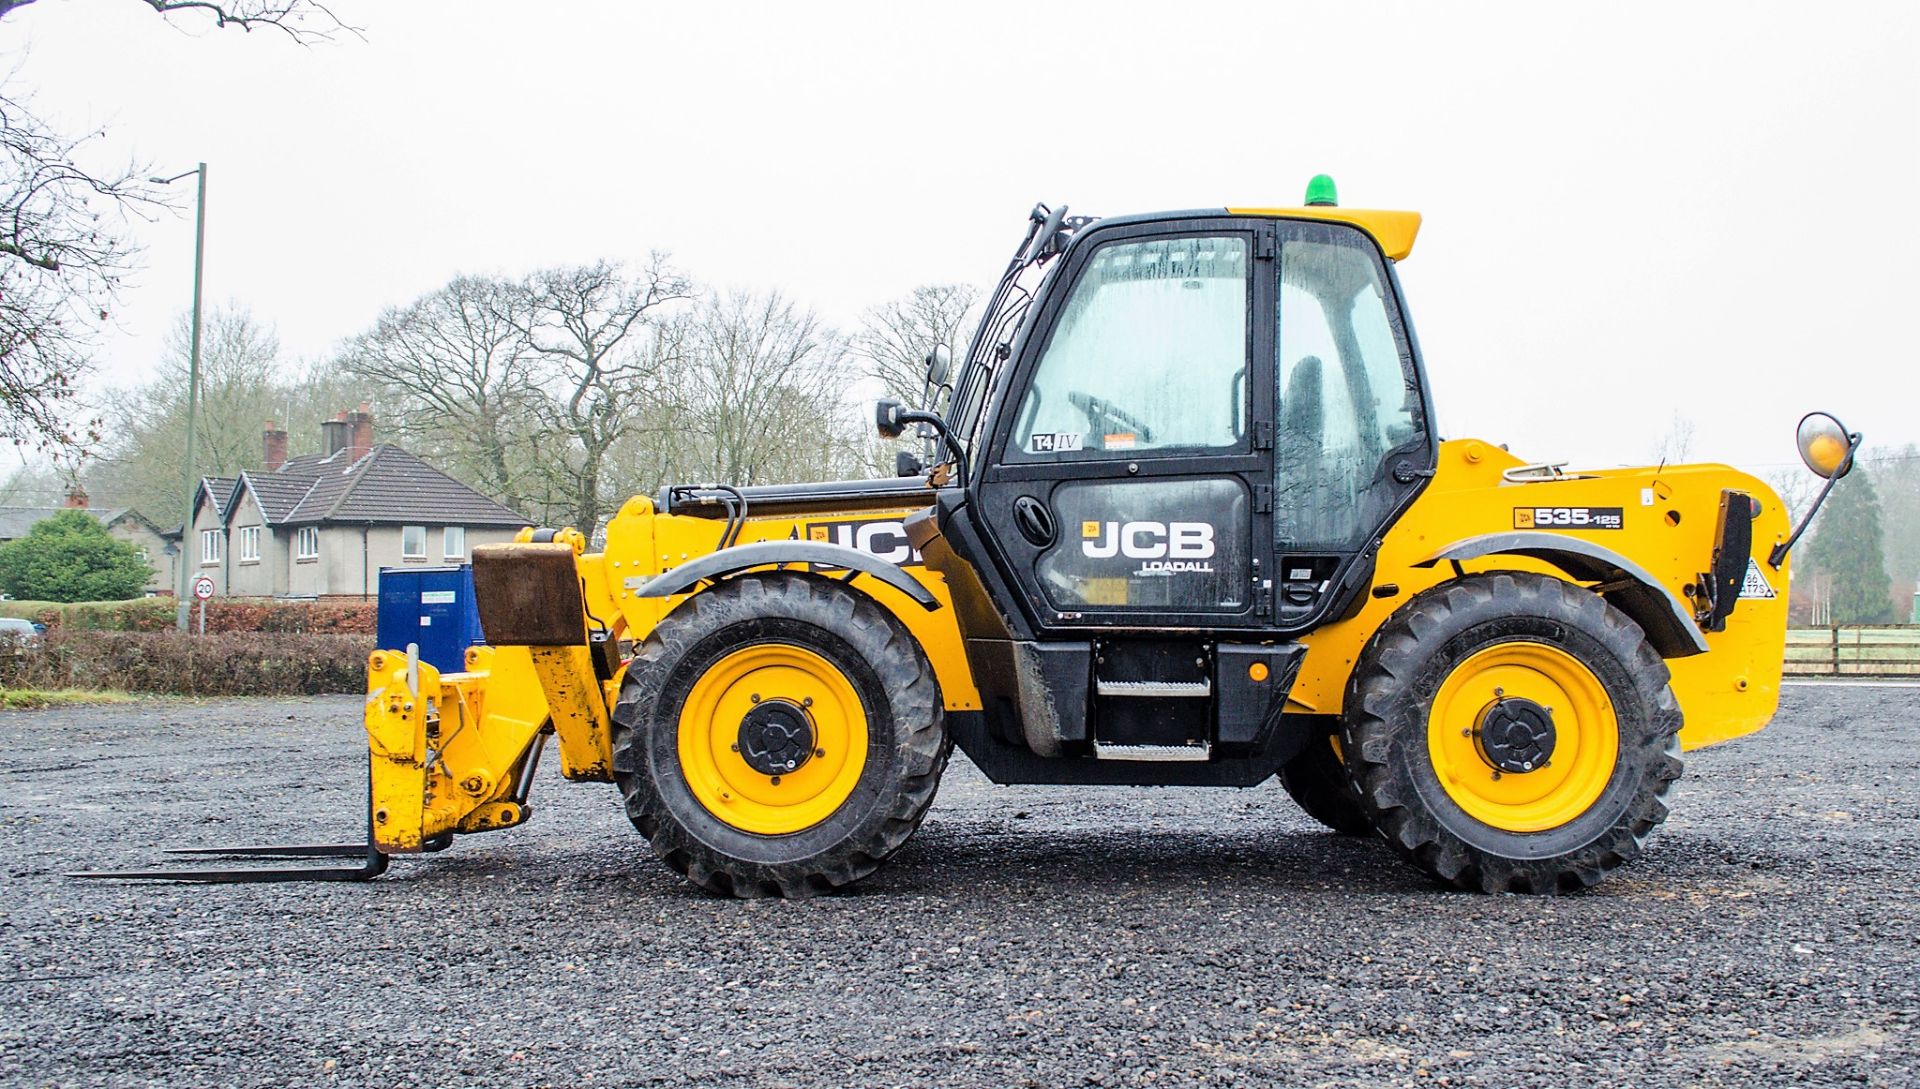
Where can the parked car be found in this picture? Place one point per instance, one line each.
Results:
(20, 633)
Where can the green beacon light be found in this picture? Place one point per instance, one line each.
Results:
(1321, 193)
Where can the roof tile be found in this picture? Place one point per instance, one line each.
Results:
(220, 490)
(393, 486)
(277, 495)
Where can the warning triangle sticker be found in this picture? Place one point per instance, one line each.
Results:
(1755, 584)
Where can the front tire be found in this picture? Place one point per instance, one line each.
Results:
(1512, 732)
(778, 735)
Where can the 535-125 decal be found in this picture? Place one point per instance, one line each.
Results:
(1568, 517)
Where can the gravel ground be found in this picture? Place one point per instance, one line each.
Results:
(1027, 936)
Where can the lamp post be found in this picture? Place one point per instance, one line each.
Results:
(182, 608)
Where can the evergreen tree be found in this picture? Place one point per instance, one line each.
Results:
(1847, 550)
(71, 557)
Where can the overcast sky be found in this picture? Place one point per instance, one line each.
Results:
(1632, 211)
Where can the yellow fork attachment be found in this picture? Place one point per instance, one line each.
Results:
(456, 752)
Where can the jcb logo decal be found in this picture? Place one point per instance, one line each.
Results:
(1568, 518)
(883, 539)
(1147, 540)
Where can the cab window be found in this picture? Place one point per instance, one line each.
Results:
(1149, 354)
(1344, 389)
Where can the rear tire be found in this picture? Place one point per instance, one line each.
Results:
(1317, 780)
(779, 638)
(1420, 710)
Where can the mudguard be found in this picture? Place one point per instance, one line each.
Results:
(1659, 611)
(730, 561)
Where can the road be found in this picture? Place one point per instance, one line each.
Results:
(1027, 936)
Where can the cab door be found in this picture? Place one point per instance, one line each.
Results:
(1352, 444)
(1130, 464)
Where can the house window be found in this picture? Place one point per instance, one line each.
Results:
(306, 543)
(249, 544)
(413, 542)
(453, 543)
(209, 547)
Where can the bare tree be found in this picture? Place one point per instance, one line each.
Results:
(453, 374)
(65, 237)
(1676, 446)
(894, 337)
(1795, 487)
(63, 252)
(596, 329)
(759, 396)
(37, 484)
(242, 385)
(302, 20)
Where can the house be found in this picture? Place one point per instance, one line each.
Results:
(323, 525)
(124, 523)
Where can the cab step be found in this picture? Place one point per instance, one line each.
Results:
(1154, 753)
(1194, 690)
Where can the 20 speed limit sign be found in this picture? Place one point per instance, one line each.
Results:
(202, 588)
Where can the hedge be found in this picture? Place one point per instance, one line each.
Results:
(156, 614)
(215, 664)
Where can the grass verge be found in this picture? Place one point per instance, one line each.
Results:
(34, 699)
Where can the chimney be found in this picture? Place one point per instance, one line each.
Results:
(276, 444)
(333, 434)
(76, 498)
(360, 432)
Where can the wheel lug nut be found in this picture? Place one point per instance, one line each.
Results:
(819, 752)
(776, 780)
(808, 702)
(755, 697)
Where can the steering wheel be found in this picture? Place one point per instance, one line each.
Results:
(1097, 410)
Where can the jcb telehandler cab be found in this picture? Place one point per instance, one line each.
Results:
(1187, 523)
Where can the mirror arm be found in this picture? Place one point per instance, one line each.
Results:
(1779, 553)
(892, 420)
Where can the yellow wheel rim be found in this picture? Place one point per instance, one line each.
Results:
(710, 735)
(1586, 743)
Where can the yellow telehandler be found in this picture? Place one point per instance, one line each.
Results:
(1183, 519)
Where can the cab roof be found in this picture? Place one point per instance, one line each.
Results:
(1394, 231)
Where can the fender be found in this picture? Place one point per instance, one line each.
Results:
(1659, 611)
(732, 561)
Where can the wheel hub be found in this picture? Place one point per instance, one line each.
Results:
(1516, 735)
(776, 737)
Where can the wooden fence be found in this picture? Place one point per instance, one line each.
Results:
(1850, 650)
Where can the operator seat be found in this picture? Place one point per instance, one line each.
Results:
(1299, 458)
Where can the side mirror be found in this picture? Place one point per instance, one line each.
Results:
(892, 420)
(939, 366)
(1825, 445)
(1047, 237)
(906, 464)
(1828, 448)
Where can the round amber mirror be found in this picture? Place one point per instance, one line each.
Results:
(1825, 445)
